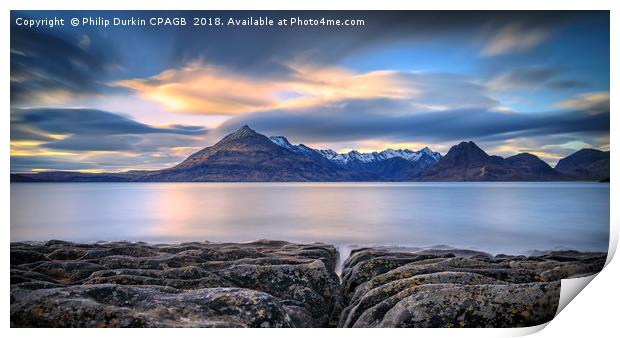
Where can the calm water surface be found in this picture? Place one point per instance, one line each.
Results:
(495, 217)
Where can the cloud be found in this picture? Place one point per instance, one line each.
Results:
(20, 131)
(88, 122)
(330, 45)
(127, 143)
(533, 78)
(51, 68)
(84, 42)
(28, 163)
(549, 148)
(94, 143)
(523, 78)
(45, 138)
(356, 120)
(567, 84)
(514, 37)
(94, 162)
(124, 161)
(593, 103)
(207, 89)
(322, 45)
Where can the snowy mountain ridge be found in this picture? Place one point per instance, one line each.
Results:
(356, 156)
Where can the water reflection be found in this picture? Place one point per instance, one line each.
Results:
(497, 217)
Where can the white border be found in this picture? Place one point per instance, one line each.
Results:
(594, 312)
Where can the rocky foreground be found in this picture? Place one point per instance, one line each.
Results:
(281, 284)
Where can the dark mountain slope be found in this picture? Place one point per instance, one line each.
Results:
(588, 164)
(529, 165)
(246, 155)
(467, 162)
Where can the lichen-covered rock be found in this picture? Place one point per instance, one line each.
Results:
(20, 256)
(295, 279)
(280, 284)
(108, 305)
(447, 305)
(366, 264)
(376, 302)
(456, 288)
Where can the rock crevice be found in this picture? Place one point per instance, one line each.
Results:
(456, 288)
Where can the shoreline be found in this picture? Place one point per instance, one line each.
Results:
(368, 181)
(344, 249)
(281, 284)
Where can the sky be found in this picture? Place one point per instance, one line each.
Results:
(117, 98)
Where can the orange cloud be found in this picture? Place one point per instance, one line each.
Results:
(207, 89)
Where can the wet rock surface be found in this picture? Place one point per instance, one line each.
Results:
(123, 284)
(281, 284)
(456, 288)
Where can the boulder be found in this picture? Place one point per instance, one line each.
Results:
(516, 305)
(456, 288)
(109, 305)
(295, 283)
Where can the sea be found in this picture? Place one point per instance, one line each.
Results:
(502, 217)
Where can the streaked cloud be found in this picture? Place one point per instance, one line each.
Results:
(357, 120)
(54, 136)
(89, 121)
(523, 78)
(593, 103)
(514, 37)
(38, 163)
(49, 68)
(532, 78)
(567, 84)
(206, 89)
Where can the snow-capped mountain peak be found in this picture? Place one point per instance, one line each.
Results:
(356, 156)
(300, 148)
(433, 154)
(282, 142)
(328, 153)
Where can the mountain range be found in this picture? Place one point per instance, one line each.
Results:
(248, 156)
